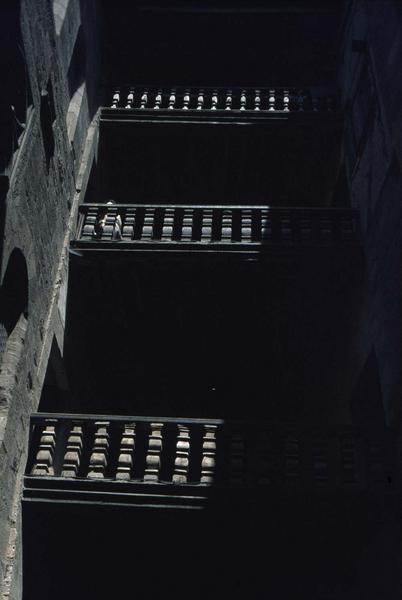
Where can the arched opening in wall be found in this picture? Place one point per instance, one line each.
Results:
(76, 82)
(55, 391)
(47, 121)
(15, 98)
(366, 401)
(13, 298)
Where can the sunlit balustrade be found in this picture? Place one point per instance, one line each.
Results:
(229, 227)
(208, 452)
(206, 99)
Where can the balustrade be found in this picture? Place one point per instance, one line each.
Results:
(228, 99)
(208, 452)
(226, 226)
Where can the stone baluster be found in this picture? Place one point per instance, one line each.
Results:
(72, 455)
(361, 454)
(314, 102)
(206, 227)
(257, 100)
(271, 100)
(246, 226)
(116, 99)
(148, 224)
(100, 451)
(43, 464)
(226, 229)
(89, 228)
(291, 459)
(144, 100)
(376, 461)
(286, 100)
(320, 462)
(129, 224)
(228, 101)
(265, 228)
(208, 454)
(187, 227)
(330, 103)
(158, 100)
(300, 101)
(306, 447)
(348, 459)
(168, 224)
(127, 447)
(265, 458)
(130, 99)
(182, 460)
(186, 100)
(286, 226)
(214, 100)
(200, 100)
(243, 100)
(237, 459)
(153, 459)
(172, 99)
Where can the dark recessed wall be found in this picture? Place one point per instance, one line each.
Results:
(149, 44)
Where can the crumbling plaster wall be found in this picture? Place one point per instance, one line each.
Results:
(44, 191)
(370, 59)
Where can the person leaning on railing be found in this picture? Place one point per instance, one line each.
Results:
(101, 222)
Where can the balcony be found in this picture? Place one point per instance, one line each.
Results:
(184, 463)
(158, 502)
(199, 229)
(270, 145)
(221, 104)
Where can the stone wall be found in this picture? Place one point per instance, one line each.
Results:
(370, 58)
(40, 206)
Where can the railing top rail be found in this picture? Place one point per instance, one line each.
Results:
(297, 209)
(301, 427)
(39, 417)
(197, 87)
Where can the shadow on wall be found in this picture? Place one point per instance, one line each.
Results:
(16, 93)
(13, 298)
(15, 100)
(82, 85)
(76, 82)
(55, 391)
